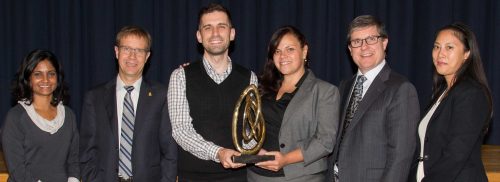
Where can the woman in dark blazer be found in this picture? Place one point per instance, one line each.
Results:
(40, 136)
(300, 110)
(452, 131)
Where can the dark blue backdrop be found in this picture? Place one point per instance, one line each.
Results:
(81, 33)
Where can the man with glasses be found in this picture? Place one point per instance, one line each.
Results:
(379, 115)
(125, 132)
(201, 99)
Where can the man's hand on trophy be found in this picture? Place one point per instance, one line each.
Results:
(225, 157)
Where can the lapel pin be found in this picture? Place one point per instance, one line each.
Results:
(150, 94)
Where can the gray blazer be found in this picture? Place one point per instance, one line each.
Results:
(378, 144)
(310, 123)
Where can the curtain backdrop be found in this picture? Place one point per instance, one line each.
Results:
(81, 33)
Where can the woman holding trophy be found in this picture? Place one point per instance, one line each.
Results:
(300, 111)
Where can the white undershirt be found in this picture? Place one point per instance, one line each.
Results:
(50, 126)
(422, 129)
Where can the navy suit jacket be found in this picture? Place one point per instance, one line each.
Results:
(452, 144)
(154, 152)
(378, 145)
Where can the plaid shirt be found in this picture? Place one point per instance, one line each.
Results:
(182, 127)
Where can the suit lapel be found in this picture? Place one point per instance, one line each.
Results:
(110, 101)
(346, 89)
(373, 93)
(297, 100)
(145, 98)
(438, 109)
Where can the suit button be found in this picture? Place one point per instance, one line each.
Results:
(282, 145)
(426, 157)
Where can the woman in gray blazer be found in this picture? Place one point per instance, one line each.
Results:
(301, 113)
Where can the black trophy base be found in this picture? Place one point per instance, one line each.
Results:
(252, 159)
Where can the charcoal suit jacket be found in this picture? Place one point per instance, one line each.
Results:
(154, 152)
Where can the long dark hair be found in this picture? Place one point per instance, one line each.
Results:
(22, 90)
(472, 68)
(271, 78)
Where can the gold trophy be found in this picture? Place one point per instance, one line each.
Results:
(253, 127)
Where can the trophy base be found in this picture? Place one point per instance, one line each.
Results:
(252, 159)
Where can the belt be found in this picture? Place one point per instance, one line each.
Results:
(121, 179)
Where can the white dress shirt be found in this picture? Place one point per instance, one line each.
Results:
(370, 76)
(120, 95)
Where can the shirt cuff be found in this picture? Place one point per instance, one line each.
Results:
(215, 156)
(73, 179)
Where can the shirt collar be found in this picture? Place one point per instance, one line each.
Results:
(299, 83)
(120, 85)
(210, 69)
(370, 75)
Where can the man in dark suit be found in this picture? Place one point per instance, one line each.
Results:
(380, 111)
(125, 132)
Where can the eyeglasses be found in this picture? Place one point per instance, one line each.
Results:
(129, 50)
(368, 40)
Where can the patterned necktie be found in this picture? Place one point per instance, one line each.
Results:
(356, 96)
(127, 135)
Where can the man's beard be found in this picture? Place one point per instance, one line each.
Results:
(216, 50)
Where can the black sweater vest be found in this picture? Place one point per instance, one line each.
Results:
(211, 107)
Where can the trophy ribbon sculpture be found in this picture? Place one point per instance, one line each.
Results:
(253, 127)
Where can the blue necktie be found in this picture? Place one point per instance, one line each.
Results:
(127, 135)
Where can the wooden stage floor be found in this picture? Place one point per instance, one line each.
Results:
(490, 155)
(491, 160)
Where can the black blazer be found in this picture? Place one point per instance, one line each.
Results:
(454, 136)
(154, 152)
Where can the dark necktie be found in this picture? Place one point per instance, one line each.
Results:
(356, 96)
(127, 135)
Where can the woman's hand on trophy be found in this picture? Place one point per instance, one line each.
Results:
(262, 152)
(225, 157)
(281, 160)
(274, 165)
